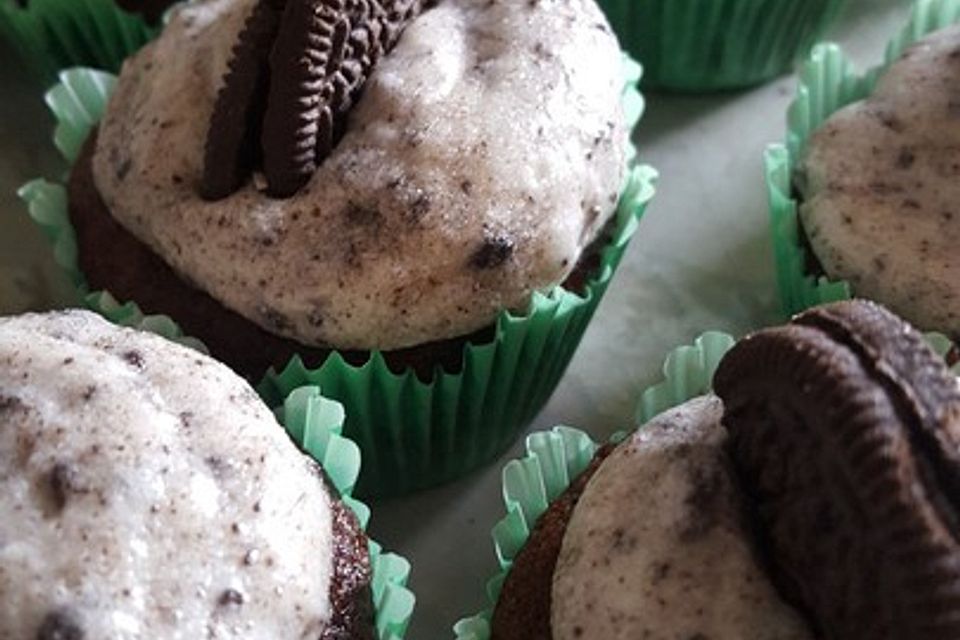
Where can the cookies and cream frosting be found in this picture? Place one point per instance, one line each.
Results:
(146, 492)
(486, 152)
(657, 547)
(881, 191)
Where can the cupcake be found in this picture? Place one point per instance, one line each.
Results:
(711, 45)
(359, 221)
(148, 492)
(709, 521)
(49, 35)
(862, 200)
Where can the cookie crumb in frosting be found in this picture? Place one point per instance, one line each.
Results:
(60, 624)
(495, 250)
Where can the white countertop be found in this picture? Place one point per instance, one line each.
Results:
(701, 260)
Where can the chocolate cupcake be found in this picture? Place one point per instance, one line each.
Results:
(862, 199)
(148, 492)
(312, 186)
(812, 497)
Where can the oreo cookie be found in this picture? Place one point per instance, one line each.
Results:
(311, 43)
(298, 68)
(231, 150)
(845, 430)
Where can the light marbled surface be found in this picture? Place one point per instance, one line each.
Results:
(700, 261)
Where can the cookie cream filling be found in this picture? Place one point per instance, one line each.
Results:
(656, 546)
(486, 153)
(880, 188)
(145, 492)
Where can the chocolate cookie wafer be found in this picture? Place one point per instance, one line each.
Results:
(231, 150)
(297, 70)
(845, 429)
(376, 25)
(309, 46)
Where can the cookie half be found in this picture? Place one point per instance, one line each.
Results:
(845, 429)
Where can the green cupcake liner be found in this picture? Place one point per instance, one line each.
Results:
(555, 458)
(709, 45)
(316, 424)
(828, 82)
(50, 35)
(413, 434)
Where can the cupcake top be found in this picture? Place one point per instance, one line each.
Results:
(146, 492)
(658, 547)
(880, 189)
(485, 153)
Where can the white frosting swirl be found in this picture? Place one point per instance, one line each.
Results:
(657, 549)
(146, 492)
(493, 133)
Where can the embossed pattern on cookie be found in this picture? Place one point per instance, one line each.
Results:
(845, 429)
(298, 69)
(231, 151)
(309, 45)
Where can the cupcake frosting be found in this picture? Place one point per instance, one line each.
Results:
(657, 547)
(145, 492)
(881, 191)
(486, 152)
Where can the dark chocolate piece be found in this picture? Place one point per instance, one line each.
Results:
(523, 607)
(845, 430)
(231, 151)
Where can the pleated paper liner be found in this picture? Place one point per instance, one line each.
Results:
(49, 35)
(828, 82)
(413, 434)
(555, 458)
(710, 45)
(316, 424)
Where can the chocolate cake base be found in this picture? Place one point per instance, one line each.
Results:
(351, 594)
(114, 260)
(522, 611)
